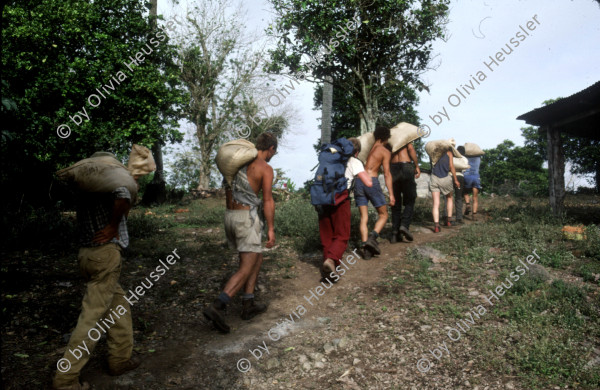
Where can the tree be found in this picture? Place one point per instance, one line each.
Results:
(218, 69)
(390, 46)
(513, 169)
(68, 63)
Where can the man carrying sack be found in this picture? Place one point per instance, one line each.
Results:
(244, 224)
(102, 224)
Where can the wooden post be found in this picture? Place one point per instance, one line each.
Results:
(556, 171)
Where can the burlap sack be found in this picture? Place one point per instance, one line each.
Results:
(461, 164)
(402, 134)
(473, 150)
(435, 149)
(141, 161)
(367, 141)
(100, 173)
(233, 155)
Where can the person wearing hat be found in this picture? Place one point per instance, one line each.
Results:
(102, 225)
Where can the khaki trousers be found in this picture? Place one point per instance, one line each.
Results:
(101, 267)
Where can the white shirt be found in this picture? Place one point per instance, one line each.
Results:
(353, 168)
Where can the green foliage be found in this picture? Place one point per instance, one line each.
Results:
(376, 66)
(514, 170)
(57, 53)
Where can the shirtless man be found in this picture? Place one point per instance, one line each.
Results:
(405, 169)
(243, 227)
(378, 156)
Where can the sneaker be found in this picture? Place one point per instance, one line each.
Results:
(251, 309)
(437, 229)
(404, 232)
(396, 237)
(122, 368)
(449, 224)
(75, 386)
(212, 314)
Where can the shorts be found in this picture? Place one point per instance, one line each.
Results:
(242, 234)
(364, 194)
(472, 181)
(444, 185)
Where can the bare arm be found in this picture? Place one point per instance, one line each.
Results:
(413, 156)
(365, 178)
(456, 183)
(388, 176)
(269, 205)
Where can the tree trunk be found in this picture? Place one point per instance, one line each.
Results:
(326, 110)
(556, 171)
(156, 191)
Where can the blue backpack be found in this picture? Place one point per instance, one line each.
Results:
(330, 178)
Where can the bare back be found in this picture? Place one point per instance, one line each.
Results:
(260, 177)
(378, 156)
(401, 155)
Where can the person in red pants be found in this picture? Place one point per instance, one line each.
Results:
(334, 221)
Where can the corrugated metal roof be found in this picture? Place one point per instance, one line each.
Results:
(578, 114)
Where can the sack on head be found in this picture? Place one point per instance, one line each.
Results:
(233, 155)
(473, 150)
(330, 178)
(436, 149)
(402, 134)
(102, 172)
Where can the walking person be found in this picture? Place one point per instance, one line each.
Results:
(243, 227)
(334, 220)
(442, 183)
(379, 156)
(102, 225)
(405, 169)
(472, 185)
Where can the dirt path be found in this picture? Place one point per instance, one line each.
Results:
(314, 336)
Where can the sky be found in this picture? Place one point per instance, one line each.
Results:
(560, 57)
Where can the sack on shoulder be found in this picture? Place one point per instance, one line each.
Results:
(330, 178)
(233, 155)
(100, 173)
(473, 150)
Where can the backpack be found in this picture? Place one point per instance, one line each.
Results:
(330, 178)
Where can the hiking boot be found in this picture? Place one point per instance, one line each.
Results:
(437, 229)
(459, 222)
(404, 232)
(74, 386)
(396, 237)
(372, 244)
(468, 209)
(367, 253)
(449, 224)
(212, 314)
(250, 309)
(474, 217)
(122, 368)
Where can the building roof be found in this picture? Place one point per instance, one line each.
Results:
(578, 114)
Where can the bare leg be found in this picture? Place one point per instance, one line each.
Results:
(247, 262)
(436, 206)
(383, 217)
(449, 205)
(253, 278)
(364, 219)
(475, 199)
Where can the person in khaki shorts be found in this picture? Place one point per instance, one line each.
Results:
(102, 225)
(442, 182)
(243, 227)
